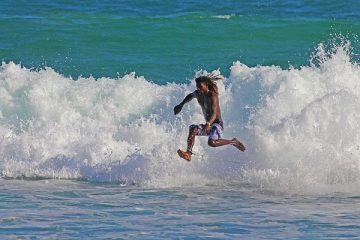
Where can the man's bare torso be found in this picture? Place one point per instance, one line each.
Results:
(206, 102)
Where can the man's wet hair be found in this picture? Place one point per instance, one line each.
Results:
(210, 80)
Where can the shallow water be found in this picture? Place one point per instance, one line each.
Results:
(71, 209)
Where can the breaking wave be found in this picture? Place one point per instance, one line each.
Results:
(300, 127)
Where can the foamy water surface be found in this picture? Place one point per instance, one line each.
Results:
(55, 209)
(299, 126)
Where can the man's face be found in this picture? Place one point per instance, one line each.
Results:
(202, 87)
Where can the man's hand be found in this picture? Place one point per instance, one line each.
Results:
(207, 127)
(177, 109)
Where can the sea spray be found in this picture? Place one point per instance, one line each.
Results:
(299, 127)
(304, 126)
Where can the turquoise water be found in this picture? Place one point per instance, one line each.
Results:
(88, 138)
(168, 41)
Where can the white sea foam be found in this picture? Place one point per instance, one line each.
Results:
(300, 127)
(225, 17)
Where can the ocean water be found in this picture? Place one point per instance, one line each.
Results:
(88, 138)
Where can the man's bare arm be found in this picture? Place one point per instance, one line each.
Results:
(187, 99)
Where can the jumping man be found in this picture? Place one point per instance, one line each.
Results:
(208, 97)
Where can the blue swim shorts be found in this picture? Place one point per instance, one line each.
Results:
(214, 133)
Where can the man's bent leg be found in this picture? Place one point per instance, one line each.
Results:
(219, 142)
(222, 142)
(215, 139)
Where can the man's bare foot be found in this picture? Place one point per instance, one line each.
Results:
(184, 155)
(236, 143)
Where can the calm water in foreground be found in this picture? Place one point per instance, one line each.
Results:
(55, 209)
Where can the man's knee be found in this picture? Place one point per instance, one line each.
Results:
(212, 143)
(193, 128)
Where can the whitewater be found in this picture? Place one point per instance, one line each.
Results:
(299, 126)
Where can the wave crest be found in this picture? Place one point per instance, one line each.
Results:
(299, 125)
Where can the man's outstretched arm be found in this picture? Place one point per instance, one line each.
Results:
(188, 98)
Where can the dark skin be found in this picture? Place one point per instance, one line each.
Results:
(209, 102)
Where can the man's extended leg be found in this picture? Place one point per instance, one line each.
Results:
(193, 130)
